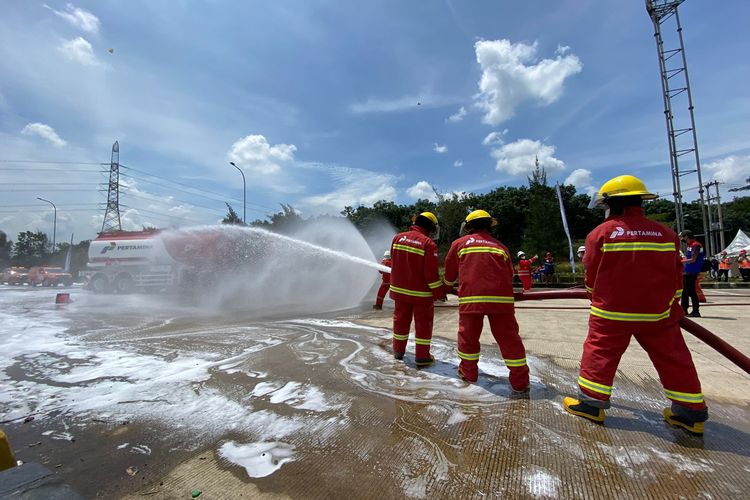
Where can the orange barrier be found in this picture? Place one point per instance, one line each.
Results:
(722, 347)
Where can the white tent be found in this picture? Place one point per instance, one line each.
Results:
(740, 242)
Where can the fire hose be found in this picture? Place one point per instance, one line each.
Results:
(721, 346)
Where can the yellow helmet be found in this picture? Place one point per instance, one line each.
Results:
(431, 216)
(622, 185)
(480, 214)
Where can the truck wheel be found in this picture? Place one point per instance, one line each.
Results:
(99, 284)
(124, 284)
(46, 283)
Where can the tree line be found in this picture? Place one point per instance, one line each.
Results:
(528, 218)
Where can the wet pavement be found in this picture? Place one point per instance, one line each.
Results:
(145, 396)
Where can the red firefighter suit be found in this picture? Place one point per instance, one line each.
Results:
(415, 284)
(524, 272)
(485, 270)
(634, 276)
(384, 286)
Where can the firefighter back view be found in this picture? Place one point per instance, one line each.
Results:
(485, 271)
(634, 277)
(415, 284)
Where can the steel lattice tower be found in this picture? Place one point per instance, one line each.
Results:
(675, 84)
(112, 213)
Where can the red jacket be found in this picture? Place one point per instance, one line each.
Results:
(633, 270)
(524, 266)
(414, 267)
(386, 276)
(486, 274)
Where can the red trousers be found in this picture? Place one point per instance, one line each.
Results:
(422, 314)
(384, 287)
(505, 330)
(665, 346)
(525, 281)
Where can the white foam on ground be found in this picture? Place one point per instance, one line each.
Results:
(543, 484)
(123, 383)
(259, 459)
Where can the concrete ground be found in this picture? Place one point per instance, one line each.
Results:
(363, 425)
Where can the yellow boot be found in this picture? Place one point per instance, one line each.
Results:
(581, 409)
(679, 421)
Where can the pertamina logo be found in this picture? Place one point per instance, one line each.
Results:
(112, 246)
(617, 232)
(404, 239)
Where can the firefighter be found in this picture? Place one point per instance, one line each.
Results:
(524, 269)
(415, 284)
(724, 265)
(634, 277)
(386, 281)
(693, 265)
(581, 252)
(485, 269)
(744, 264)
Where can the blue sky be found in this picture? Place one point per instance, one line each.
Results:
(326, 104)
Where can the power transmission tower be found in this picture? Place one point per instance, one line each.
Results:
(675, 85)
(717, 223)
(112, 213)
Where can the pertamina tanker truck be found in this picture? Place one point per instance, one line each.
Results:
(126, 261)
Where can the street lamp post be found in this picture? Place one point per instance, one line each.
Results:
(244, 192)
(54, 223)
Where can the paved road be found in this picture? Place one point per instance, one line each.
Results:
(316, 407)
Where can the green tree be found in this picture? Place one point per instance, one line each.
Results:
(6, 247)
(30, 249)
(231, 217)
(285, 221)
(543, 224)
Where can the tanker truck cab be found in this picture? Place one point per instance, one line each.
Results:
(130, 261)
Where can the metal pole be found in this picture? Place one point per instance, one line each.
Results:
(721, 219)
(710, 234)
(244, 193)
(54, 223)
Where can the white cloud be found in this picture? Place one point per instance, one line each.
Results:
(511, 75)
(81, 19)
(355, 187)
(729, 170)
(458, 163)
(519, 157)
(45, 132)
(494, 138)
(457, 116)
(253, 153)
(582, 179)
(79, 50)
(422, 190)
(440, 148)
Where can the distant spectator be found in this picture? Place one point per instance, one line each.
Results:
(548, 266)
(744, 264)
(724, 265)
(714, 271)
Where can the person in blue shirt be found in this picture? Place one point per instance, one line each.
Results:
(693, 263)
